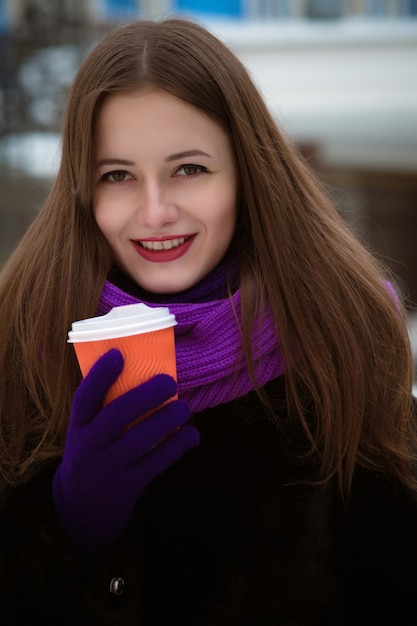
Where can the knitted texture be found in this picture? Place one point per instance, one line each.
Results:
(211, 367)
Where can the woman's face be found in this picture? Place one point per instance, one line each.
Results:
(166, 189)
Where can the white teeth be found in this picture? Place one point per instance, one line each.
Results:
(163, 245)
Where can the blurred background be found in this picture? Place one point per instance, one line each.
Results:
(340, 76)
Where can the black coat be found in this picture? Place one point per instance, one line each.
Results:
(227, 536)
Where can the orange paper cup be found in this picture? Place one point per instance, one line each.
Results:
(144, 335)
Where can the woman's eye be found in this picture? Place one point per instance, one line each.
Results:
(117, 176)
(190, 170)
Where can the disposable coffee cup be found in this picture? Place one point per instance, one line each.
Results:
(144, 335)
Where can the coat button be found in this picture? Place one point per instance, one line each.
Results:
(116, 586)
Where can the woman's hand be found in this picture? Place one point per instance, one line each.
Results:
(106, 464)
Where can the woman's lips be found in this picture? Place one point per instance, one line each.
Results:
(156, 253)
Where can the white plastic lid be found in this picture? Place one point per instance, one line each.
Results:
(122, 321)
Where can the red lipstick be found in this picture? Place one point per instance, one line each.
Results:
(161, 255)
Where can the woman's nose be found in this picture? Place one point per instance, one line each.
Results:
(155, 208)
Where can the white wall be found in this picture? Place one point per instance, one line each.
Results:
(350, 85)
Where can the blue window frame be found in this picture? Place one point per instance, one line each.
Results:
(119, 9)
(227, 8)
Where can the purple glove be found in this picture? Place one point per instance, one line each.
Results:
(105, 469)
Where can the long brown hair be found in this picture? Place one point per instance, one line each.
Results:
(344, 337)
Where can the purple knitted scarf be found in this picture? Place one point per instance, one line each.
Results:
(211, 367)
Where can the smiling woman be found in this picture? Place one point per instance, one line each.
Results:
(177, 198)
(273, 481)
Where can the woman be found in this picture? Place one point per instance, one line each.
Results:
(279, 488)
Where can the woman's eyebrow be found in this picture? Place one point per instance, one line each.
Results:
(171, 157)
(114, 161)
(186, 153)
